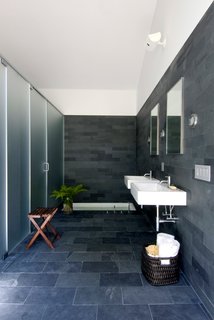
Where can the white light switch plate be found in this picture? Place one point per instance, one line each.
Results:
(203, 172)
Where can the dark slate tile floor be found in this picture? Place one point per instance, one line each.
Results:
(92, 274)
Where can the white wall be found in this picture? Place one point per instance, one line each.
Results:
(93, 102)
(176, 19)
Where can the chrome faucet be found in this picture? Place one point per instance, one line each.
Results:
(168, 181)
(148, 174)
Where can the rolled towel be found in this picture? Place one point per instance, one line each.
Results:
(169, 249)
(163, 237)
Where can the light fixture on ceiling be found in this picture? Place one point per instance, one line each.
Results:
(155, 39)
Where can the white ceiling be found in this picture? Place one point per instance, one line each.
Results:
(76, 44)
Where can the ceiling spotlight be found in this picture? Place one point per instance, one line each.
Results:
(154, 39)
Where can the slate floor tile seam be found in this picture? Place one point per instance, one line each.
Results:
(150, 311)
(121, 240)
(183, 311)
(98, 295)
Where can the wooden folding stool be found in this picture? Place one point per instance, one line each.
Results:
(46, 214)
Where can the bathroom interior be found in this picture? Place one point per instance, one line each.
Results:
(156, 125)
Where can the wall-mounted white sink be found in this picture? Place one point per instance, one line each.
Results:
(157, 194)
(131, 179)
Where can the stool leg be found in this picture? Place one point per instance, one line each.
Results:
(40, 231)
(53, 230)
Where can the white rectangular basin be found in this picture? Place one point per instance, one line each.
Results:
(157, 194)
(131, 179)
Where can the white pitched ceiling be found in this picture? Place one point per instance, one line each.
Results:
(76, 44)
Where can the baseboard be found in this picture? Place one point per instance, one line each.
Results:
(114, 206)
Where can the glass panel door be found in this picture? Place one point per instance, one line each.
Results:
(55, 151)
(18, 93)
(38, 150)
(3, 161)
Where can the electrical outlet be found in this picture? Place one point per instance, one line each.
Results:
(203, 172)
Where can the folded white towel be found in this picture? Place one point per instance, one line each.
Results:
(169, 248)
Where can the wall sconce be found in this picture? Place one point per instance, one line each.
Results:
(162, 133)
(154, 39)
(193, 120)
(148, 140)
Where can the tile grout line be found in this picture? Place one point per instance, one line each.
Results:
(150, 312)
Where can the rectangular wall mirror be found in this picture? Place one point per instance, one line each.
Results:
(174, 119)
(154, 131)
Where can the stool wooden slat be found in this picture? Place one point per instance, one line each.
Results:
(46, 214)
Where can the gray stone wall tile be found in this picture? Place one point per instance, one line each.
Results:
(99, 151)
(194, 62)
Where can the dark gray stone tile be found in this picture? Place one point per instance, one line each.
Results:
(8, 279)
(13, 295)
(121, 312)
(69, 236)
(120, 280)
(115, 258)
(20, 312)
(44, 295)
(127, 256)
(78, 280)
(17, 266)
(70, 313)
(104, 234)
(183, 295)
(116, 240)
(102, 247)
(21, 248)
(124, 248)
(81, 228)
(118, 256)
(127, 266)
(85, 256)
(100, 267)
(49, 257)
(98, 295)
(36, 279)
(4, 264)
(109, 256)
(85, 241)
(25, 256)
(62, 267)
(178, 312)
(65, 247)
(146, 295)
(114, 228)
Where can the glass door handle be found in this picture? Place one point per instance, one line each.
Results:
(45, 166)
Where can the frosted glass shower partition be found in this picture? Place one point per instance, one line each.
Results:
(55, 151)
(38, 106)
(18, 147)
(46, 151)
(3, 159)
(31, 133)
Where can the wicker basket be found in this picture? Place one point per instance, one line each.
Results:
(160, 271)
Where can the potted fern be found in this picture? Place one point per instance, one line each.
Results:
(66, 194)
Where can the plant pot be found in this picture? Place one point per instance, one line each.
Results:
(67, 208)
